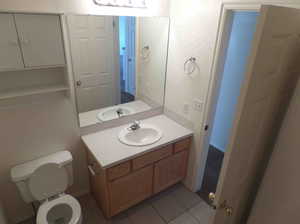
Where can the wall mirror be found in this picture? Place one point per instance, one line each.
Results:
(118, 65)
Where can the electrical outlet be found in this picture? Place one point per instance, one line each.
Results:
(198, 105)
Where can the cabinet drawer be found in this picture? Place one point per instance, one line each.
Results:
(118, 171)
(151, 157)
(182, 145)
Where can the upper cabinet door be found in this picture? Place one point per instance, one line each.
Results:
(41, 39)
(10, 53)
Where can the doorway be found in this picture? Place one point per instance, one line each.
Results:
(241, 33)
(127, 32)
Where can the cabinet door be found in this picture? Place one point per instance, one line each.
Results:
(131, 189)
(10, 53)
(41, 39)
(170, 170)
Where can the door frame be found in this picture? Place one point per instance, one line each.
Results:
(131, 46)
(216, 71)
(116, 59)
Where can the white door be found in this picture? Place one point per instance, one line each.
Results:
(10, 53)
(270, 79)
(41, 39)
(277, 201)
(91, 39)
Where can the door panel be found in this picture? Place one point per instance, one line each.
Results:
(91, 39)
(98, 95)
(41, 39)
(10, 52)
(270, 79)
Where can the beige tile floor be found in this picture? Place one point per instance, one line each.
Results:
(176, 205)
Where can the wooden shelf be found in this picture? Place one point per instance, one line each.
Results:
(32, 90)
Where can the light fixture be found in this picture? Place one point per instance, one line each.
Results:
(122, 3)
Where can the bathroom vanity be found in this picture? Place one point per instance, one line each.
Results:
(122, 175)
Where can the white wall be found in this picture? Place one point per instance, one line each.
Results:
(34, 127)
(278, 198)
(151, 72)
(239, 46)
(194, 26)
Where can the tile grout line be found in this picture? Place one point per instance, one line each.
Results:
(185, 209)
(162, 218)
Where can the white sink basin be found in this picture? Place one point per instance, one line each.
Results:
(112, 113)
(145, 135)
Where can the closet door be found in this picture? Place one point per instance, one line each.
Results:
(41, 39)
(10, 53)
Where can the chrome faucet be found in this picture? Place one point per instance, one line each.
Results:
(135, 126)
(119, 112)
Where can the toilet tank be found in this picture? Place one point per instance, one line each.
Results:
(20, 174)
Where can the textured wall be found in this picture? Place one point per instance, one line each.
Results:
(194, 26)
(151, 73)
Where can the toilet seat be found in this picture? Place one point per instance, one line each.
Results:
(64, 199)
(47, 184)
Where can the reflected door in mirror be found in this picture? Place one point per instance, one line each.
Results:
(92, 39)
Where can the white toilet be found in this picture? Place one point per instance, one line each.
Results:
(46, 180)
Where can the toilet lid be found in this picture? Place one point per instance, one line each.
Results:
(48, 180)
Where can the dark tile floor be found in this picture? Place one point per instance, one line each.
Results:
(126, 97)
(211, 173)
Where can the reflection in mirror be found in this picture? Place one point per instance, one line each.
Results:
(119, 65)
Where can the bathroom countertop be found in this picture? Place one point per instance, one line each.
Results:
(109, 151)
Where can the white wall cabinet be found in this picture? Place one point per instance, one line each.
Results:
(10, 52)
(29, 41)
(32, 59)
(41, 39)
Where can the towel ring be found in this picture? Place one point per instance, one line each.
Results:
(191, 61)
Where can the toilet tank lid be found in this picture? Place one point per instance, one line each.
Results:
(24, 171)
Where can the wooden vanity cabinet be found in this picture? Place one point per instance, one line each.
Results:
(119, 187)
(169, 171)
(130, 189)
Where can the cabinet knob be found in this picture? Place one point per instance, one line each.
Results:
(78, 83)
